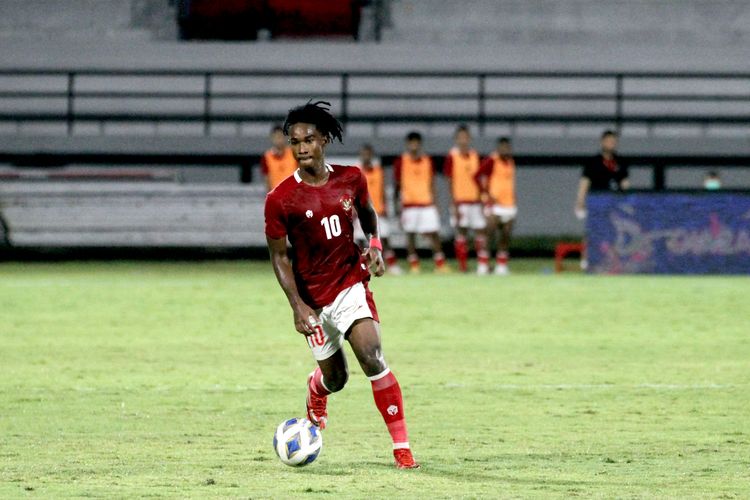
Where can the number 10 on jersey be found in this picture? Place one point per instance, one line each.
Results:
(332, 226)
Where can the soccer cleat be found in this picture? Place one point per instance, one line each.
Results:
(316, 406)
(501, 270)
(395, 270)
(404, 459)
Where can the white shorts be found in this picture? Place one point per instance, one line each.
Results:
(337, 317)
(383, 223)
(503, 212)
(470, 216)
(420, 220)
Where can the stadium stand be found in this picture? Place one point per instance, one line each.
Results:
(551, 79)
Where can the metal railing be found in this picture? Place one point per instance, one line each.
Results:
(104, 96)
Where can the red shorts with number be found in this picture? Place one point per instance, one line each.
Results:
(337, 317)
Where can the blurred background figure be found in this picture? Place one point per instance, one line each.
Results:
(605, 171)
(373, 172)
(461, 166)
(496, 180)
(712, 181)
(414, 176)
(277, 162)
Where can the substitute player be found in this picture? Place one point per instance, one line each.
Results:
(277, 163)
(374, 174)
(496, 181)
(414, 176)
(325, 278)
(461, 165)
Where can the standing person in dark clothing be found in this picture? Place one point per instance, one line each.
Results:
(606, 171)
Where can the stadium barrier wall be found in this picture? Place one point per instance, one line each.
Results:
(670, 232)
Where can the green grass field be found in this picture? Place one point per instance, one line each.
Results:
(125, 380)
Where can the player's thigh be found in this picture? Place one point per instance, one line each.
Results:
(364, 338)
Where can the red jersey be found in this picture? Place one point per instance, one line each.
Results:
(318, 222)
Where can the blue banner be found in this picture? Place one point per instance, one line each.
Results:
(669, 232)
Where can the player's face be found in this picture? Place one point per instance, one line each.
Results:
(278, 139)
(463, 140)
(414, 147)
(308, 144)
(609, 143)
(504, 149)
(365, 155)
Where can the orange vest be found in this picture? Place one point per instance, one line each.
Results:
(463, 186)
(279, 167)
(416, 181)
(375, 186)
(502, 180)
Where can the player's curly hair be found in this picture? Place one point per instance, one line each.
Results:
(319, 114)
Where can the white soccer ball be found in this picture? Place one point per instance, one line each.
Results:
(297, 442)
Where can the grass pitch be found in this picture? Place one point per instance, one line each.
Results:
(126, 380)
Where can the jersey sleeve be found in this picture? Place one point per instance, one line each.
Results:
(275, 218)
(485, 169)
(448, 166)
(589, 168)
(397, 170)
(263, 165)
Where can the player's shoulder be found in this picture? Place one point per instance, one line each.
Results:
(347, 171)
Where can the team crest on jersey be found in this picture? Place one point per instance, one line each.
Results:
(309, 214)
(346, 202)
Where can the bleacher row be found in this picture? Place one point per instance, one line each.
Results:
(126, 214)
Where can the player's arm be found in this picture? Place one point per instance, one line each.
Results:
(304, 315)
(368, 219)
(481, 178)
(583, 189)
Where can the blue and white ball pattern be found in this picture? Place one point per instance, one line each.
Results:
(297, 442)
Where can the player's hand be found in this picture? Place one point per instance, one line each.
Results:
(374, 259)
(580, 212)
(305, 319)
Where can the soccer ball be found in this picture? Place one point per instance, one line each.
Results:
(297, 442)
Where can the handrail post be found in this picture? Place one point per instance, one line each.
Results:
(618, 102)
(206, 103)
(482, 104)
(344, 98)
(69, 116)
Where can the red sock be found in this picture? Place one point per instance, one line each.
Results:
(502, 257)
(316, 383)
(462, 253)
(483, 256)
(439, 258)
(413, 261)
(390, 258)
(387, 394)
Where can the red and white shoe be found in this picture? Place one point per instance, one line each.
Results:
(316, 406)
(404, 459)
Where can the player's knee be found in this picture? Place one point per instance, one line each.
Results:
(337, 380)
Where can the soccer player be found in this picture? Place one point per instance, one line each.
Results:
(496, 180)
(461, 165)
(376, 187)
(414, 177)
(325, 277)
(278, 162)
